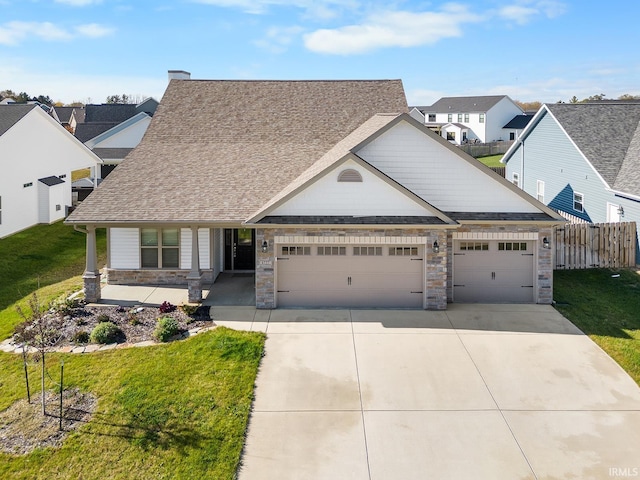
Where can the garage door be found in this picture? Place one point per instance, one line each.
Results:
(350, 276)
(493, 271)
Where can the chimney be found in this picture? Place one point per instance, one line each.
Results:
(179, 75)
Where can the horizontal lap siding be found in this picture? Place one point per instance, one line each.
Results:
(124, 248)
(203, 246)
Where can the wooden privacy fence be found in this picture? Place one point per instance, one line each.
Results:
(595, 245)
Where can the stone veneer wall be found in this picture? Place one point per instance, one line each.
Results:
(436, 264)
(543, 269)
(153, 277)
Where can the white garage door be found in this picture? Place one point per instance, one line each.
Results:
(350, 276)
(493, 271)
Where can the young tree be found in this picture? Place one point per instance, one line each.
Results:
(41, 331)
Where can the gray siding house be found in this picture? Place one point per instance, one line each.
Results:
(582, 160)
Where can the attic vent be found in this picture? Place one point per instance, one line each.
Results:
(349, 175)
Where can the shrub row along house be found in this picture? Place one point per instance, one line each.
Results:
(329, 191)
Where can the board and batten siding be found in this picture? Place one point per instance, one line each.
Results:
(373, 196)
(203, 247)
(438, 175)
(218, 250)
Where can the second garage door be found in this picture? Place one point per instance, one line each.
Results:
(493, 271)
(350, 276)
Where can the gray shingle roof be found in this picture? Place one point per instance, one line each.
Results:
(51, 181)
(216, 151)
(87, 131)
(519, 122)
(11, 114)
(110, 153)
(604, 134)
(350, 220)
(64, 113)
(464, 104)
(109, 112)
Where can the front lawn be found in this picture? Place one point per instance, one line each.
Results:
(604, 304)
(174, 411)
(40, 256)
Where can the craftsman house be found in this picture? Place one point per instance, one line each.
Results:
(329, 191)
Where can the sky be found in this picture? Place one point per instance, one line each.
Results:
(531, 50)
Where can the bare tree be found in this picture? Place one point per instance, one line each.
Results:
(41, 331)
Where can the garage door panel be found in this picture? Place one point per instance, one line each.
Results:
(494, 274)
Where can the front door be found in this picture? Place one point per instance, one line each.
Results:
(240, 251)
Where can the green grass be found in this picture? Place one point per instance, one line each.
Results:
(175, 411)
(492, 160)
(40, 256)
(606, 308)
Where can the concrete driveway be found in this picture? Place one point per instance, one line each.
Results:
(476, 392)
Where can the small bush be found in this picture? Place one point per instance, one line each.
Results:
(81, 336)
(166, 327)
(167, 307)
(189, 308)
(64, 306)
(105, 332)
(103, 317)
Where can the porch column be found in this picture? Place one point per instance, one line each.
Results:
(91, 275)
(194, 278)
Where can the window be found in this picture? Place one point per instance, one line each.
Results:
(516, 179)
(466, 118)
(459, 117)
(451, 135)
(160, 248)
(578, 202)
(450, 118)
(367, 251)
(474, 246)
(326, 251)
(58, 207)
(512, 246)
(432, 117)
(481, 117)
(512, 135)
(540, 191)
(403, 251)
(349, 175)
(25, 185)
(296, 250)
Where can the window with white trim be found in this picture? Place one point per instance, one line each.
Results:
(473, 246)
(512, 246)
(450, 117)
(367, 251)
(335, 251)
(160, 248)
(295, 250)
(481, 117)
(459, 117)
(432, 117)
(403, 251)
(466, 118)
(516, 179)
(540, 190)
(578, 202)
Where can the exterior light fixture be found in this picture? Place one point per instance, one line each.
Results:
(620, 210)
(436, 247)
(265, 246)
(545, 243)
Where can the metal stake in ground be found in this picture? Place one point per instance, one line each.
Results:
(61, 390)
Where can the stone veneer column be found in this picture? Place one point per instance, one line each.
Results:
(436, 271)
(265, 276)
(194, 278)
(545, 266)
(91, 275)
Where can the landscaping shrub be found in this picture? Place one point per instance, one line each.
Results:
(189, 309)
(81, 336)
(166, 327)
(64, 305)
(105, 332)
(167, 307)
(103, 317)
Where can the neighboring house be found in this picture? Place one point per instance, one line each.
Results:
(329, 202)
(113, 130)
(469, 119)
(37, 156)
(516, 125)
(582, 160)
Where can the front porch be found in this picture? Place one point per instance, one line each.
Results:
(229, 289)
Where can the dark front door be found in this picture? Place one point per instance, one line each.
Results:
(240, 250)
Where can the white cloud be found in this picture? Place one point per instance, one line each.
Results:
(79, 3)
(319, 9)
(14, 33)
(524, 11)
(277, 39)
(392, 29)
(93, 30)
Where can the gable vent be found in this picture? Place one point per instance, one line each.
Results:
(349, 175)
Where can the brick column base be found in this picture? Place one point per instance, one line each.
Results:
(92, 293)
(195, 289)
